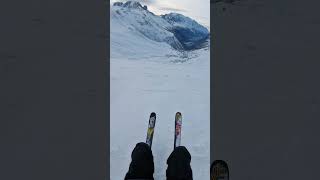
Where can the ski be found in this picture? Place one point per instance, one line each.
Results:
(151, 125)
(219, 170)
(177, 131)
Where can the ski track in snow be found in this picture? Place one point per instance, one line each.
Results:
(165, 85)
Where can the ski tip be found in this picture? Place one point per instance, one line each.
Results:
(153, 114)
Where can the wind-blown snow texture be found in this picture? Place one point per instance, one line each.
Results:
(152, 71)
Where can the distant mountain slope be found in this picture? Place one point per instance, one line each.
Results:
(189, 33)
(137, 23)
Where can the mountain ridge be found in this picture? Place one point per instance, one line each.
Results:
(177, 30)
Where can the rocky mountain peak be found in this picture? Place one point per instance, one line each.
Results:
(130, 4)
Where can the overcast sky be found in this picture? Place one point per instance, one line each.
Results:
(195, 9)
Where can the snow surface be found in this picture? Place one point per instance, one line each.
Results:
(150, 76)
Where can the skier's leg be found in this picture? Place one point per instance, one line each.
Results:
(141, 166)
(179, 167)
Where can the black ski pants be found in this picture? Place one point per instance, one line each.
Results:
(142, 167)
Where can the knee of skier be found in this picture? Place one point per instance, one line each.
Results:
(180, 152)
(142, 150)
(142, 145)
(179, 166)
(183, 150)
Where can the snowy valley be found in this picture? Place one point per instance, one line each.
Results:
(159, 63)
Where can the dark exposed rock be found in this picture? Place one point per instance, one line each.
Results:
(118, 4)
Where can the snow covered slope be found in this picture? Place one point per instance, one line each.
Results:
(151, 71)
(191, 34)
(179, 31)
